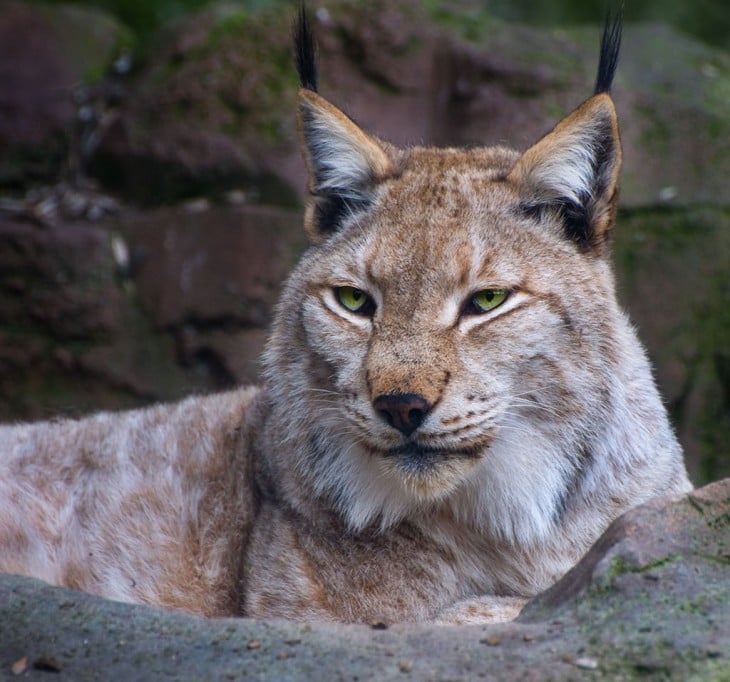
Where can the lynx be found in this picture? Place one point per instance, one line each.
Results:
(453, 406)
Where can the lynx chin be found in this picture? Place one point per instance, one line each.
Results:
(453, 406)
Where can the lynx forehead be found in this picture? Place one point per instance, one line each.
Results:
(453, 405)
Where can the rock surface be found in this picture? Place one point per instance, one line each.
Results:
(46, 55)
(650, 601)
(149, 307)
(217, 97)
(673, 268)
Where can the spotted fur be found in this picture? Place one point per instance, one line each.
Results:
(417, 459)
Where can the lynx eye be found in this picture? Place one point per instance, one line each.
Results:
(486, 300)
(355, 300)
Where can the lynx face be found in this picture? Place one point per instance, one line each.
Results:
(454, 307)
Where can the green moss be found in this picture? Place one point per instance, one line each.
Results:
(673, 266)
(556, 111)
(713, 669)
(230, 21)
(472, 21)
(717, 97)
(90, 39)
(142, 16)
(620, 567)
(247, 44)
(657, 134)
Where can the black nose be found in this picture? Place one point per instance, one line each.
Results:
(404, 412)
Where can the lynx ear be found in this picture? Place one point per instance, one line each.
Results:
(344, 163)
(572, 173)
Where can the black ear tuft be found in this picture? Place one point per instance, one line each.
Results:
(610, 47)
(305, 50)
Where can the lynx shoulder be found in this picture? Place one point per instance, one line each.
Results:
(453, 405)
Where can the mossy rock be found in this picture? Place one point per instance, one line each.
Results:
(50, 53)
(673, 266)
(636, 616)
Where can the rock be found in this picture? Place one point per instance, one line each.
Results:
(58, 280)
(673, 269)
(212, 109)
(137, 309)
(224, 264)
(215, 107)
(683, 544)
(675, 119)
(33, 81)
(210, 112)
(46, 53)
(234, 353)
(650, 600)
(211, 279)
(63, 307)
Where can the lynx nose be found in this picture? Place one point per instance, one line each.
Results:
(404, 412)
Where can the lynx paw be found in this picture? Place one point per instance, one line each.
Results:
(482, 610)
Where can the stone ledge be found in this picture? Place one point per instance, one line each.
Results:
(651, 601)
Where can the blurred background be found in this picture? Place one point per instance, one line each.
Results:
(151, 186)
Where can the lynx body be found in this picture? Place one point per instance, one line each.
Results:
(453, 405)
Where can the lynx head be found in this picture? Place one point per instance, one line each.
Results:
(449, 338)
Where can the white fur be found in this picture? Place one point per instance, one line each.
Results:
(570, 172)
(342, 166)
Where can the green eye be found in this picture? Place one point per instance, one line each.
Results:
(484, 301)
(355, 300)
